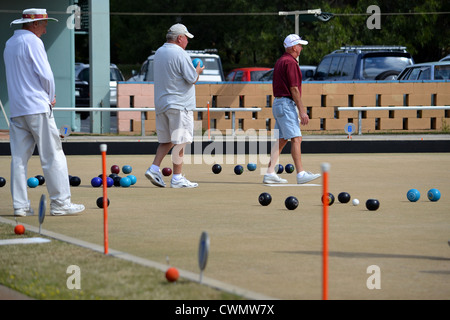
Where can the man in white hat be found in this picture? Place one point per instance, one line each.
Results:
(287, 108)
(175, 76)
(31, 91)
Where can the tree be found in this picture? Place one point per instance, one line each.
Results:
(255, 38)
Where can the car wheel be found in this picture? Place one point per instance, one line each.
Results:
(387, 75)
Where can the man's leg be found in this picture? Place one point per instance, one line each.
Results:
(53, 159)
(296, 153)
(22, 146)
(161, 152)
(153, 173)
(275, 154)
(302, 176)
(177, 158)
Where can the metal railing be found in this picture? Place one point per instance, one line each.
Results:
(144, 110)
(361, 109)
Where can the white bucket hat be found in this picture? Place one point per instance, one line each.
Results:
(292, 40)
(178, 29)
(30, 15)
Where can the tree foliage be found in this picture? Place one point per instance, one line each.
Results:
(255, 38)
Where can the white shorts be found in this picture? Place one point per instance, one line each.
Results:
(176, 126)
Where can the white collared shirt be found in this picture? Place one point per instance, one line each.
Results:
(174, 76)
(31, 85)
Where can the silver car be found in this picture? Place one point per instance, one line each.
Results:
(213, 67)
(82, 77)
(426, 71)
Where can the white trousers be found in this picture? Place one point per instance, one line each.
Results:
(25, 133)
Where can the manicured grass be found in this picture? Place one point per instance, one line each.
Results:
(40, 271)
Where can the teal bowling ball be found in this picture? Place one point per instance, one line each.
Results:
(125, 182)
(132, 178)
(127, 169)
(196, 61)
(32, 182)
(413, 195)
(434, 195)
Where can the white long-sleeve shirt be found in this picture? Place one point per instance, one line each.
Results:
(174, 76)
(31, 85)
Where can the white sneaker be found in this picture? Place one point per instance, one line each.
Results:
(273, 178)
(24, 212)
(307, 177)
(68, 209)
(183, 183)
(155, 178)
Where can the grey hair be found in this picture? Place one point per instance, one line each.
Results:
(171, 36)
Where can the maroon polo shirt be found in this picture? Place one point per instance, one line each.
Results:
(286, 74)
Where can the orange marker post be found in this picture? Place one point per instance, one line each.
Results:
(325, 205)
(103, 148)
(209, 124)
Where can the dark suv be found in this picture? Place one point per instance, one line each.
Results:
(356, 63)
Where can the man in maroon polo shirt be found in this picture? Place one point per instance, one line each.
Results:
(287, 109)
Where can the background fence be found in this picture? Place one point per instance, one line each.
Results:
(329, 106)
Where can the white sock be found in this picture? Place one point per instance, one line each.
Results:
(176, 177)
(154, 168)
(271, 174)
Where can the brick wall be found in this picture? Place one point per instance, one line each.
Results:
(321, 100)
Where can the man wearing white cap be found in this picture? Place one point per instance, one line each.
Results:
(31, 91)
(175, 76)
(287, 108)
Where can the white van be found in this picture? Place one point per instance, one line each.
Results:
(213, 67)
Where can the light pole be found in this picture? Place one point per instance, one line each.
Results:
(315, 12)
(307, 15)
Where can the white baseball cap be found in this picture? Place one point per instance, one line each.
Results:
(292, 40)
(30, 15)
(178, 29)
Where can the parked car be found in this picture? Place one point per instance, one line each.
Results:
(446, 58)
(363, 63)
(82, 96)
(426, 71)
(213, 71)
(246, 74)
(307, 73)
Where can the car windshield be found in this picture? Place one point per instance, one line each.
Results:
(212, 67)
(373, 66)
(442, 72)
(114, 75)
(267, 76)
(256, 75)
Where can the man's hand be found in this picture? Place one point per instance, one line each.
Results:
(304, 118)
(199, 69)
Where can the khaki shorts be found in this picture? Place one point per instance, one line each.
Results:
(176, 126)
